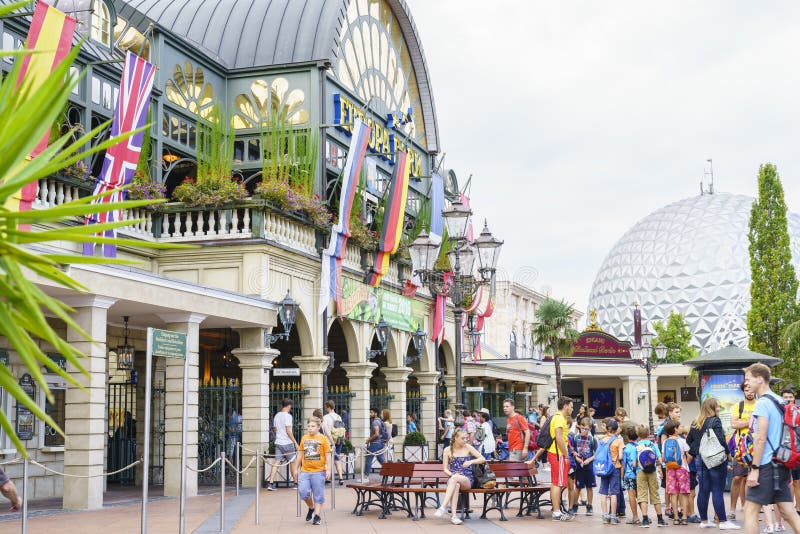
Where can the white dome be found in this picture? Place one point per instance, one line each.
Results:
(691, 257)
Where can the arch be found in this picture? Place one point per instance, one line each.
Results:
(512, 348)
(353, 354)
(423, 363)
(304, 334)
(446, 359)
(102, 21)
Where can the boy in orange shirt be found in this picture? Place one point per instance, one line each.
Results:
(312, 459)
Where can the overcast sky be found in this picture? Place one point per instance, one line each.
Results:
(577, 119)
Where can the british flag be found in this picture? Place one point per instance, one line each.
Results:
(121, 159)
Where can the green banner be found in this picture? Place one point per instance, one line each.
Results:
(361, 302)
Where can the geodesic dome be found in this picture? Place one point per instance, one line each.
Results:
(691, 257)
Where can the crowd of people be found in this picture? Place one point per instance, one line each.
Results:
(670, 474)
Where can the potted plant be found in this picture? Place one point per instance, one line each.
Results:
(348, 458)
(415, 447)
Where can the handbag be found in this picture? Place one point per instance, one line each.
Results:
(712, 452)
(483, 476)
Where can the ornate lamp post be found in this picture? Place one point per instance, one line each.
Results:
(418, 338)
(649, 357)
(125, 352)
(464, 282)
(287, 313)
(382, 331)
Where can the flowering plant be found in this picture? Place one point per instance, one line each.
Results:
(210, 191)
(79, 171)
(362, 236)
(143, 188)
(287, 198)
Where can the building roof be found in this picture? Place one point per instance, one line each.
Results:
(731, 356)
(243, 34)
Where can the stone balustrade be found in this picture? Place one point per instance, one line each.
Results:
(289, 232)
(209, 224)
(54, 191)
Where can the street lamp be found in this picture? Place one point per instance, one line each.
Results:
(462, 285)
(648, 358)
(418, 339)
(287, 313)
(382, 332)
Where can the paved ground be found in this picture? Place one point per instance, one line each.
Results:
(278, 511)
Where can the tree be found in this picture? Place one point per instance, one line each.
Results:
(789, 369)
(773, 290)
(553, 330)
(25, 116)
(676, 336)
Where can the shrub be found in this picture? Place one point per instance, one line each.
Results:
(415, 439)
(143, 188)
(211, 191)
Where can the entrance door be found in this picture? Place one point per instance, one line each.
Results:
(219, 427)
(121, 431)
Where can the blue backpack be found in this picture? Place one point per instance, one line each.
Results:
(603, 464)
(672, 454)
(646, 456)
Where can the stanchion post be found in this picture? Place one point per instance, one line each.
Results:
(297, 493)
(363, 463)
(238, 467)
(24, 496)
(333, 480)
(222, 493)
(258, 482)
(146, 458)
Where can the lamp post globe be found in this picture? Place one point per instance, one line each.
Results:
(456, 218)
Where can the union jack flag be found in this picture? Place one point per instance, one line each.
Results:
(121, 159)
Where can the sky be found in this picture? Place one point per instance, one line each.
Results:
(578, 118)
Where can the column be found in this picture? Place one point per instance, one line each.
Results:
(359, 374)
(396, 381)
(189, 324)
(312, 373)
(255, 362)
(427, 417)
(85, 410)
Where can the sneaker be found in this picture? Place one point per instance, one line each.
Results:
(620, 514)
(768, 529)
(707, 524)
(271, 487)
(341, 482)
(440, 512)
(780, 528)
(606, 519)
(645, 523)
(693, 519)
(614, 520)
(668, 513)
(589, 509)
(317, 520)
(567, 517)
(661, 523)
(731, 515)
(455, 520)
(310, 514)
(574, 510)
(729, 525)
(557, 516)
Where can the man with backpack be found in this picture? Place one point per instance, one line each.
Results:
(788, 395)
(378, 437)
(741, 414)
(554, 431)
(768, 480)
(517, 431)
(648, 462)
(336, 427)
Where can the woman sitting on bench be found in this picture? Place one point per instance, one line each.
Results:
(457, 462)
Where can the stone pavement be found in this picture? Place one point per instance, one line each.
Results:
(279, 516)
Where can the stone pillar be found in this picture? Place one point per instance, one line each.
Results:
(359, 374)
(396, 381)
(450, 383)
(189, 324)
(85, 410)
(312, 373)
(427, 416)
(255, 362)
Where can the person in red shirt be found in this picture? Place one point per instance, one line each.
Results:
(519, 435)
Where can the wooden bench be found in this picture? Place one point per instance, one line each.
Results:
(425, 481)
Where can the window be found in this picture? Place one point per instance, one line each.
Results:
(101, 23)
(512, 351)
(6, 406)
(56, 411)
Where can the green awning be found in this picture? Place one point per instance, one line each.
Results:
(732, 356)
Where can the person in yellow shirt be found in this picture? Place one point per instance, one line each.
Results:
(558, 456)
(312, 459)
(741, 414)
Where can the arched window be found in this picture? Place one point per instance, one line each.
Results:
(101, 23)
(512, 351)
(524, 353)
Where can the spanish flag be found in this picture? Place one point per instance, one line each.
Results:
(50, 36)
(393, 218)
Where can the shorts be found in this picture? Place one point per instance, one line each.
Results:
(338, 450)
(677, 481)
(740, 470)
(3, 478)
(584, 477)
(610, 485)
(516, 456)
(628, 484)
(312, 484)
(770, 477)
(284, 453)
(559, 469)
(692, 480)
(647, 486)
(796, 474)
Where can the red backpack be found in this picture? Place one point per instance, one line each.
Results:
(787, 452)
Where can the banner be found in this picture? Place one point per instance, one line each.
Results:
(50, 37)
(361, 302)
(726, 388)
(121, 159)
(331, 279)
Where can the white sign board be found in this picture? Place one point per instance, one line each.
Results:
(291, 371)
(474, 389)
